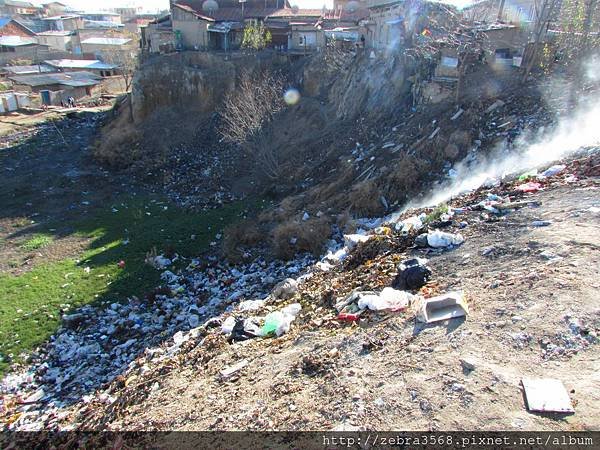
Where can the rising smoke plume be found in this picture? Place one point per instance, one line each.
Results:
(581, 129)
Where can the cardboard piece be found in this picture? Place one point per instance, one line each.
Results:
(546, 395)
(443, 307)
(230, 371)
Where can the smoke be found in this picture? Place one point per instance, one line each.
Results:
(580, 130)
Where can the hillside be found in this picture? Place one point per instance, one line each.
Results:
(181, 247)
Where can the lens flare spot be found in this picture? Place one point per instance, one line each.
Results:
(291, 96)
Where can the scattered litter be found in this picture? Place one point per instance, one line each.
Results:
(528, 175)
(497, 104)
(389, 299)
(286, 289)
(541, 223)
(228, 324)
(413, 274)
(230, 371)
(554, 170)
(439, 239)
(279, 322)
(458, 114)
(443, 307)
(529, 187)
(546, 395)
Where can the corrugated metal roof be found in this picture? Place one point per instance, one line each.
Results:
(28, 70)
(16, 41)
(66, 78)
(106, 41)
(79, 64)
(56, 33)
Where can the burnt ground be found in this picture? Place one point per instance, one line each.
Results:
(530, 290)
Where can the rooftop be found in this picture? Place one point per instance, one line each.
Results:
(56, 33)
(102, 24)
(65, 17)
(71, 79)
(16, 41)
(106, 41)
(27, 70)
(79, 64)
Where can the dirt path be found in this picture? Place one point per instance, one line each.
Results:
(529, 289)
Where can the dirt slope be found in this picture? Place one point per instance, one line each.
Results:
(534, 312)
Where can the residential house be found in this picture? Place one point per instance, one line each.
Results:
(126, 13)
(305, 37)
(95, 66)
(11, 27)
(69, 22)
(346, 28)
(516, 12)
(97, 46)
(503, 42)
(385, 26)
(57, 40)
(17, 48)
(135, 24)
(54, 9)
(158, 36)
(102, 25)
(57, 87)
(7, 71)
(296, 30)
(198, 28)
(18, 8)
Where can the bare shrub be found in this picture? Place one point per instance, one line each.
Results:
(253, 104)
(293, 236)
(118, 144)
(239, 237)
(365, 199)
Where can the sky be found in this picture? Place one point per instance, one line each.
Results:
(156, 5)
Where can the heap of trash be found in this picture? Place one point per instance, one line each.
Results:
(260, 300)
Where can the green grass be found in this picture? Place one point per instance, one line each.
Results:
(31, 304)
(436, 213)
(36, 242)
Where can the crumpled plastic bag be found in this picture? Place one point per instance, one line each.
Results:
(441, 239)
(279, 322)
(388, 299)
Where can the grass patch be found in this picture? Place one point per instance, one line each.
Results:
(437, 213)
(32, 304)
(36, 242)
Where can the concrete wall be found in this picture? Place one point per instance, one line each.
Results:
(61, 43)
(381, 34)
(194, 32)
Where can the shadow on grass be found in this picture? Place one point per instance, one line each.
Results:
(116, 226)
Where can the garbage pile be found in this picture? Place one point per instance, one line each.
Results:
(96, 344)
(259, 300)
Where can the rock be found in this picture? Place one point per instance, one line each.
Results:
(286, 289)
(468, 364)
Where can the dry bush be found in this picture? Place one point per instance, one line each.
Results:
(239, 237)
(118, 144)
(405, 178)
(365, 199)
(346, 222)
(249, 107)
(308, 236)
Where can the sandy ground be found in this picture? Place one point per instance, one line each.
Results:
(523, 284)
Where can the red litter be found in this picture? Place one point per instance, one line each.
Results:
(348, 317)
(529, 187)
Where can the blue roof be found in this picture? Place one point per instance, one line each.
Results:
(4, 21)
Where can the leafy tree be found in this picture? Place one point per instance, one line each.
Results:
(256, 37)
